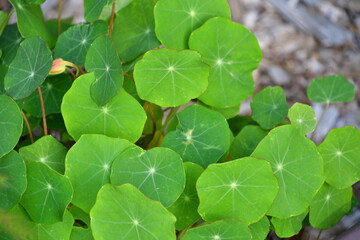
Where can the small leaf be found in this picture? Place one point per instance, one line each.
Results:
(260, 229)
(9, 43)
(303, 117)
(124, 211)
(288, 227)
(331, 89)
(93, 8)
(4, 17)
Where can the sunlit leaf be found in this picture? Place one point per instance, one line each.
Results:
(289, 226)
(93, 8)
(260, 229)
(303, 117)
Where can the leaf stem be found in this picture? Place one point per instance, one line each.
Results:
(28, 126)
(60, 4)
(318, 237)
(153, 118)
(43, 110)
(111, 24)
(129, 76)
(320, 118)
(170, 117)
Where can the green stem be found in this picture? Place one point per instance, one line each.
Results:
(43, 111)
(318, 237)
(169, 118)
(60, 4)
(153, 118)
(320, 118)
(28, 126)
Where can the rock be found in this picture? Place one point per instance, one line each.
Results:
(278, 75)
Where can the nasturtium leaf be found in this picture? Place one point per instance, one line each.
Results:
(122, 117)
(124, 211)
(102, 59)
(303, 117)
(129, 66)
(231, 190)
(129, 86)
(88, 165)
(225, 229)
(35, 1)
(237, 123)
(246, 141)
(29, 68)
(9, 43)
(202, 135)
(185, 208)
(269, 107)
(119, 4)
(233, 53)
(12, 179)
(329, 206)
(3, 70)
(134, 29)
(93, 8)
(79, 233)
(4, 17)
(47, 195)
(79, 214)
(171, 78)
(11, 124)
(331, 89)
(260, 229)
(298, 167)
(288, 227)
(73, 44)
(341, 153)
(46, 150)
(52, 25)
(176, 19)
(53, 90)
(229, 112)
(30, 21)
(158, 173)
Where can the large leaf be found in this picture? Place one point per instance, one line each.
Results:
(88, 165)
(289, 226)
(93, 8)
(121, 117)
(158, 173)
(171, 78)
(260, 229)
(29, 68)
(202, 135)
(9, 43)
(298, 167)
(303, 117)
(341, 153)
(176, 19)
(102, 59)
(231, 190)
(124, 211)
(233, 53)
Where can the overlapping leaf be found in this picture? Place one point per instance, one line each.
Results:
(260, 229)
(303, 117)
(9, 43)
(289, 226)
(93, 8)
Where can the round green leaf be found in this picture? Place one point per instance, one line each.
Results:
(298, 167)
(233, 53)
(260, 229)
(269, 107)
(124, 211)
(158, 173)
(185, 208)
(29, 68)
(331, 89)
(303, 117)
(171, 78)
(329, 206)
(9, 43)
(229, 112)
(121, 117)
(231, 190)
(93, 8)
(176, 19)
(288, 227)
(47, 195)
(46, 150)
(12, 179)
(226, 229)
(341, 153)
(102, 59)
(73, 44)
(202, 135)
(134, 29)
(11, 124)
(88, 165)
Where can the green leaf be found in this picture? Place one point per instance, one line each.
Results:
(329, 206)
(288, 227)
(158, 173)
(185, 208)
(269, 107)
(246, 141)
(260, 229)
(119, 4)
(331, 89)
(233, 53)
(46, 150)
(303, 117)
(79, 233)
(4, 17)
(124, 211)
(129, 86)
(38, 2)
(3, 70)
(73, 44)
(121, 117)
(47, 195)
(12, 179)
(9, 43)
(341, 153)
(102, 59)
(231, 190)
(176, 19)
(52, 25)
(88, 165)
(93, 8)
(171, 78)
(53, 90)
(29, 68)
(229, 112)
(79, 214)
(194, 137)
(297, 165)
(11, 124)
(134, 29)
(225, 229)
